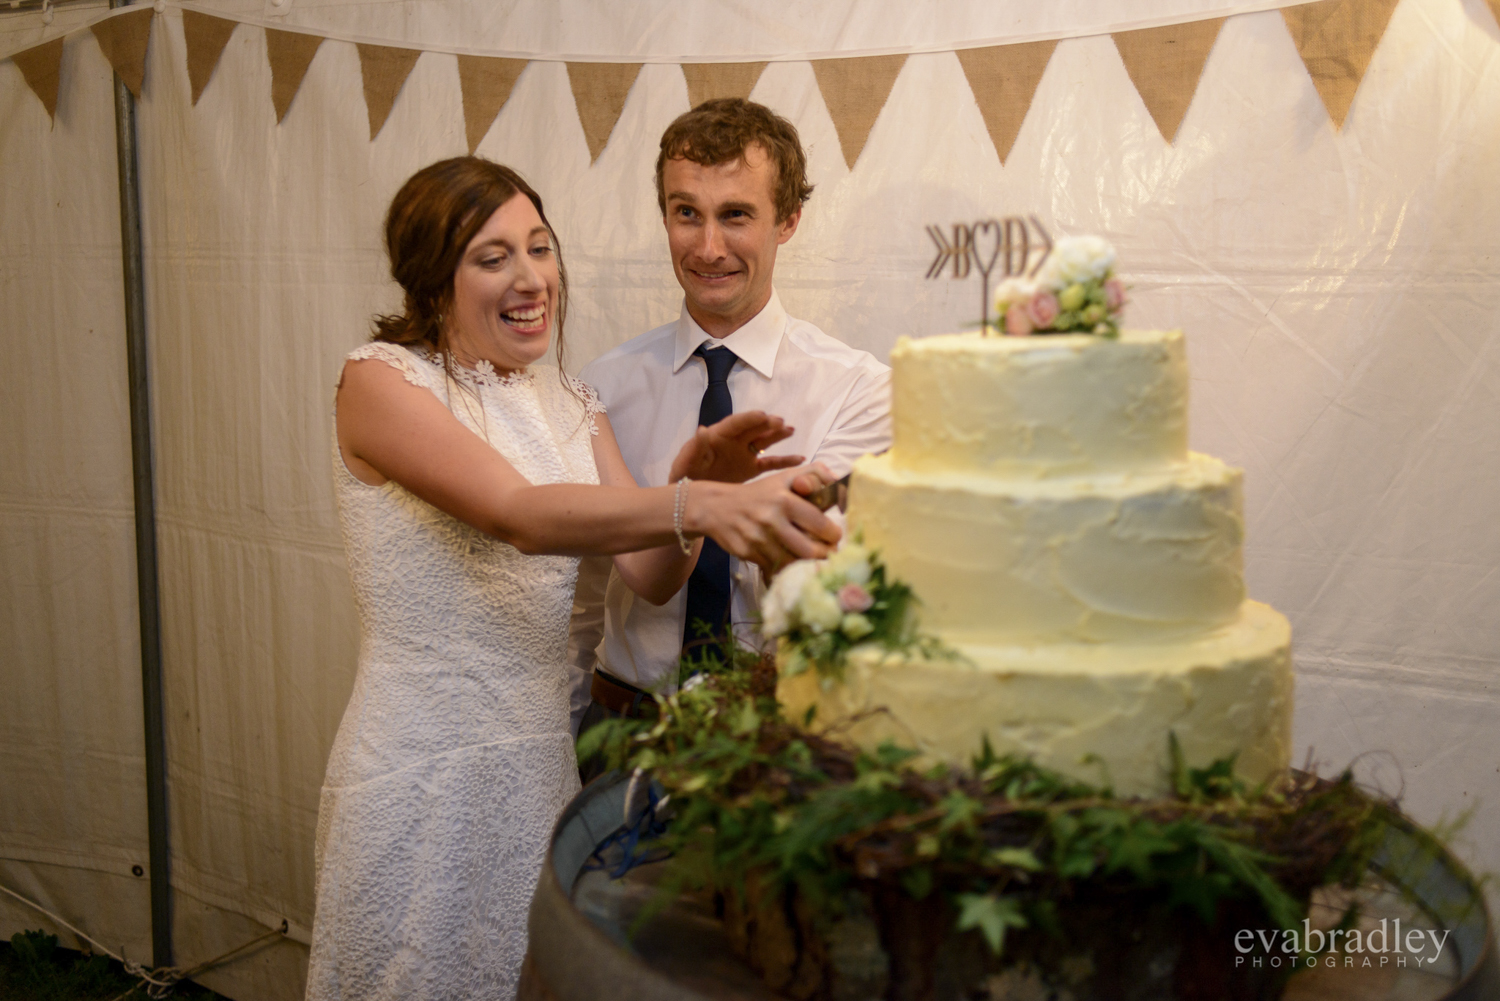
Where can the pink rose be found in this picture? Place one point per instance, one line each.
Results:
(853, 598)
(1017, 322)
(1114, 294)
(1043, 309)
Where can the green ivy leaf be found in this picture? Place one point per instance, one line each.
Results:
(959, 811)
(747, 720)
(1136, 849)
(990, 914)
(1016, 858)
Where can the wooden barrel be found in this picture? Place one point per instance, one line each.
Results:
(583, 953)
(583, 946)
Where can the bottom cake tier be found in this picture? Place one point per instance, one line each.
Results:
(1100, 712)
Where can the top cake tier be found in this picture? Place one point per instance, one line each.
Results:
(1058, 405)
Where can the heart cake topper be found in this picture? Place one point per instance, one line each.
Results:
(1046, 287)
(1018, 247)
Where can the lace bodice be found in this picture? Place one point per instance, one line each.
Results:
(453, 757)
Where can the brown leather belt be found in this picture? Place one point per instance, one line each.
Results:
(621, 697)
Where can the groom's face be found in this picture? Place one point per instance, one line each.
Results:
(723, 235)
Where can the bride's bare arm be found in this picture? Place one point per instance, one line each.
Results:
(658, 573)
(391, 429)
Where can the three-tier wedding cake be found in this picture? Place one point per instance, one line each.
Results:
(1085, 567)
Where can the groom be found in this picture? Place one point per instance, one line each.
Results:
(731, 179)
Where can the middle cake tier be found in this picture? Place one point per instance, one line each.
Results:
(1126, 557)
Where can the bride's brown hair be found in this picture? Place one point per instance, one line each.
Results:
(431, 222)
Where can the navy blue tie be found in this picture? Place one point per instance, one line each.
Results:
(707, 622)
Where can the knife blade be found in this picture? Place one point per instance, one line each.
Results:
(831, 494)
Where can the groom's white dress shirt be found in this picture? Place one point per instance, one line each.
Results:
(837, 398)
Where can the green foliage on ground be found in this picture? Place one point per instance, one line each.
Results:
(34, 967)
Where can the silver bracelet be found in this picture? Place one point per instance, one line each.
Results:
(679, 508)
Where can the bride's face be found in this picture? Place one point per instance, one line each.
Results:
(505, 290)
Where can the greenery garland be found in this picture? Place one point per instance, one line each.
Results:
(764, 810)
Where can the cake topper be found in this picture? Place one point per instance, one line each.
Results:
(984, 244)
(1063, 287)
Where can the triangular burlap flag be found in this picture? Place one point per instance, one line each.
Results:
(1003, 79)
(855, 90)
(599, 90)
(384, 69)
(706, 81)
(206, 37)
(485, 83)
(1336, 39)
(123, 40)
(40, 66)
(1164, 64)
(290, 54)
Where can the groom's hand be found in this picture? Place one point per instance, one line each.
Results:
(730, 451)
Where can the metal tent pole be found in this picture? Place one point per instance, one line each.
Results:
(145, 520)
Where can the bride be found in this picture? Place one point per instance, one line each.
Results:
(469, 481)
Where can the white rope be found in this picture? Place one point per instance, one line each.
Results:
(159, 980)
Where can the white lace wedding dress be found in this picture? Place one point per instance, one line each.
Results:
(453, 759)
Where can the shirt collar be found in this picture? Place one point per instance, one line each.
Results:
(756, 343)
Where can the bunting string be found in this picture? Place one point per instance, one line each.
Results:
(1336, 40)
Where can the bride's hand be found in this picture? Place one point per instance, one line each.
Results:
(730, 451)
(765, 522)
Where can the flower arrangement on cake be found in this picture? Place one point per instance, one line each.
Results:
(822, 609)
(1074, 291)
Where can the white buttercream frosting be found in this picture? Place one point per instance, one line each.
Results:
(1095, 711)
(1039, 406)
(1119, 556)
(1040, 500)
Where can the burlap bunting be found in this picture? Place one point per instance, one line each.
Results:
(855, 90)
(41, 66)
(706, 81)
(383, 69)
(599, 91)
(205, 37)
(1495, 9)
(1336, 39)
(485, 84)
(123, 40)
(1164, 64)
(290, 54)
(1004, 79)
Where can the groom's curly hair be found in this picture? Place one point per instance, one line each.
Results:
(722, 130)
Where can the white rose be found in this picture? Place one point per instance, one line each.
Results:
(856, 626)
(817, 607)
(1013, 290)
(775, 620)
(850, 563)
(783, 593)
(1076, 259)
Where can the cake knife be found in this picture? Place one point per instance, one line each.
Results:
(831, 494)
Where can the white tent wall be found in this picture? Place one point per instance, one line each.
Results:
(1341, 291)
(72, 783)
